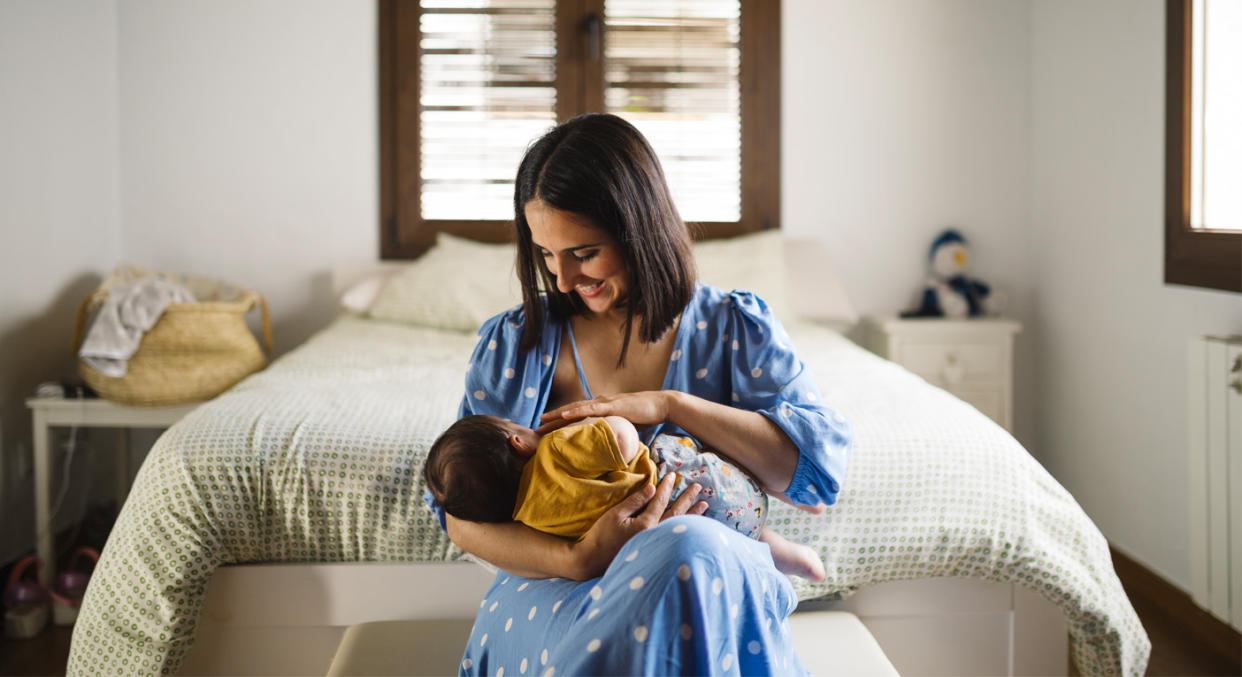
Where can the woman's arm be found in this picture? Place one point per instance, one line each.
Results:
(747, 437)
(515, 547)
(753, 401)
(520, 550)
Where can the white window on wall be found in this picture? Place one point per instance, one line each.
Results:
(467, 84)
(1203, 144)
(1216, 116)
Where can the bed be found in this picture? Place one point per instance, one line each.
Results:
(290, 507)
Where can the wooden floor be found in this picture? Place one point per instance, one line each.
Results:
(46, 654)
(1174, 650)
(1185, 639)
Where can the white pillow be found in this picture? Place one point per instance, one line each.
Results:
(816, 292)
(456, 285)
(794, 276)
(753, 262)
(361, 295)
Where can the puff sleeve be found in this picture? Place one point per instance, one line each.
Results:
(766, 376)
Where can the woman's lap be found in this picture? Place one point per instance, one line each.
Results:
(690, 596)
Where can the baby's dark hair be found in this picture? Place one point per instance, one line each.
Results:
(472, 472)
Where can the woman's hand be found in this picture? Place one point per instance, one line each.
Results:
(642, 408)
(603, 541)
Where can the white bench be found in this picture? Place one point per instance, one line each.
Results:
(828, 642)
(289, 618)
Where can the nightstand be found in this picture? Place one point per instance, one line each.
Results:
(52, 412)
(973, 359)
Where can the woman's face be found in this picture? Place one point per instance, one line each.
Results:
(584, 259)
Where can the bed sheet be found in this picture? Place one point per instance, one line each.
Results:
(317, 459)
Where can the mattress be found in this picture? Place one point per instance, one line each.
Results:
(317, 459)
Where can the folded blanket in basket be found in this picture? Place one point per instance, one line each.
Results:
(129, 311)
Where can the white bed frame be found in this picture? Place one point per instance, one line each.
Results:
(284, 619)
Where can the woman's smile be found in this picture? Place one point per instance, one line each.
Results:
(591, 290)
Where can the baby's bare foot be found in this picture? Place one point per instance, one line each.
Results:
(800, 561)
(793, 559)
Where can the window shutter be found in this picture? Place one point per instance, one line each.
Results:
(672, 69)
(487, 88)
(465, 85)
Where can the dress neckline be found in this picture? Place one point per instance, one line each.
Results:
(668, 368)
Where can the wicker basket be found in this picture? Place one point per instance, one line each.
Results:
(194, 352)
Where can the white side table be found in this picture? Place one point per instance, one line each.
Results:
(972, 358)
(52, 412)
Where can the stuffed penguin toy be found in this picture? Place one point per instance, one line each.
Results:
(949, 291)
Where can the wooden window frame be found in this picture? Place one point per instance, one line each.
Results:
(1200, 258)
(404, 234)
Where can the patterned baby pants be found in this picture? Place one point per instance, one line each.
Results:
(733, 497)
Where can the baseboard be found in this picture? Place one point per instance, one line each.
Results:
(1178, 607)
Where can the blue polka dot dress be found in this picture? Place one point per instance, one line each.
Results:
(690, 596)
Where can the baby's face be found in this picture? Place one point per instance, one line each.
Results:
(522, 439)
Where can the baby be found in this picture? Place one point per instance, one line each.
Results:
(487, 469)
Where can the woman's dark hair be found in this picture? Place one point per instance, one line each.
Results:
(472, 472)
(599, 167)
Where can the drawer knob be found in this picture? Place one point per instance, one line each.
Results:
(953, 371)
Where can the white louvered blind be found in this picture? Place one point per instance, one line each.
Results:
(488, 88)
(671, 68)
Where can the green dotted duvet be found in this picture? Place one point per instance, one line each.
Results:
(317, 458)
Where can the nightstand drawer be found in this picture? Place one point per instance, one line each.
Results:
(971, 359)
(951, 364)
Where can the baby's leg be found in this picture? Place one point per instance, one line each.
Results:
(792, 558)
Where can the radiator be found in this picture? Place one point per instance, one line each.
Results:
(1215, 431)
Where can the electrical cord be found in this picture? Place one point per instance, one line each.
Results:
(70, 448)
(53, 389)
(75, 392)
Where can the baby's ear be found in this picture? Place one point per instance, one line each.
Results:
(520, 445)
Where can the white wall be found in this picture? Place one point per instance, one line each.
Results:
(59, 209)
(902, 118)
(231, 138)
(249, 145)
(1111, 335)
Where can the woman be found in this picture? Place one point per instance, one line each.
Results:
(613, 323)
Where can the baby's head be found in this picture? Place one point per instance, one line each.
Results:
(474, 467)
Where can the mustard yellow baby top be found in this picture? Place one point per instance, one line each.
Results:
(575, 475)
